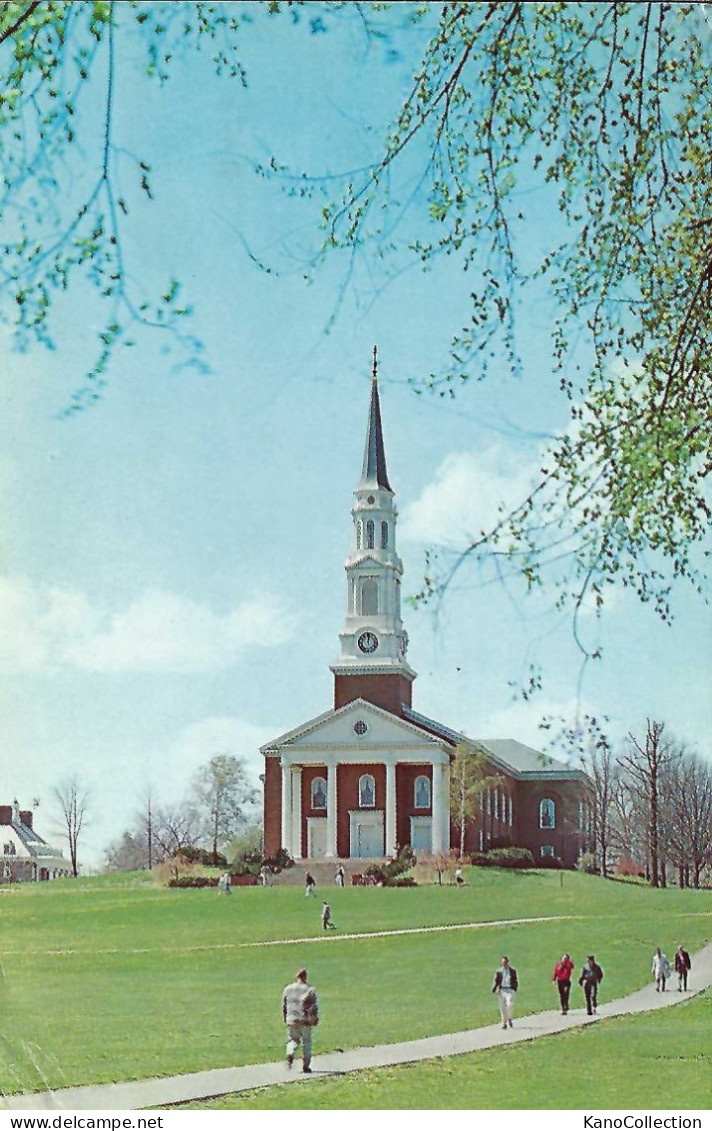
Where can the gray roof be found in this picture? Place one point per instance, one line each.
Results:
(374, 473)
(519, 761)
(36, 846)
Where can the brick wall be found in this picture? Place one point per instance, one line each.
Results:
(347, 792)
(387, 691)
(272, 806)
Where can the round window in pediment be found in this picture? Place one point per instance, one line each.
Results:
(360, 727)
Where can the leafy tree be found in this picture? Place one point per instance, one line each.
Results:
(469, 778)
(73, 801)
(222, 800)
(595, 114)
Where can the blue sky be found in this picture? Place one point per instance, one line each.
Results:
(172, 580)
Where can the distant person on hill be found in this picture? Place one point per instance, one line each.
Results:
(326, 917)
(505, 987)
(300, 1011)
(340, 876)
(459, 878)
(661, 969)
(682, 965)
(562, 978)
(309, 885)
(224, 883)
(591, 978)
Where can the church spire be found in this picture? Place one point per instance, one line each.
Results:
(374, 472)
(372, 664)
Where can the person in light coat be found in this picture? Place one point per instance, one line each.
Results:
(300, 1012)
(661, 969)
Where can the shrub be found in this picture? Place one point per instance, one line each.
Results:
(403, 882)
(504, 858)
(550, 862)
(193, 882)
(402, 863)
(375, 874)
(202, 856)
(279, 862)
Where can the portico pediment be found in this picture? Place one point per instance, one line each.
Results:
(358, 727)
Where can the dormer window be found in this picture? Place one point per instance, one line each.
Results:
(366, 791)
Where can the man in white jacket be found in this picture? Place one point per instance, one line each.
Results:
(300, 1011)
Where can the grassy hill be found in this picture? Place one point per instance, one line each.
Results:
(114, 979)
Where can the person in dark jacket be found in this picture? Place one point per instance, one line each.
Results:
(562, 978)
(682, 965)
(591, 978)
(505, 986)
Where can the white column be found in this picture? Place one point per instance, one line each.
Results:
(437, 808)
(286, 807)
(446, 805)
(331, 810)
(297, 812)
(390, 808)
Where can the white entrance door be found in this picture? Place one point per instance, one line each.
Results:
(316, 837)
(421, 834)
(367, 837)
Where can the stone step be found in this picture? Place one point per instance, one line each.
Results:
(324, 872)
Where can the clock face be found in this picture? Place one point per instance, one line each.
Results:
(367, 642)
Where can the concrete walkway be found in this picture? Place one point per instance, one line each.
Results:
(200, 1085)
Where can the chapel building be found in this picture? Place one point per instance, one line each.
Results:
(372, 774)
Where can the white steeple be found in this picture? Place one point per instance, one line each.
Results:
(374, 640)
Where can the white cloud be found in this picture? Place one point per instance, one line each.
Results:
(43, 628)
(202, 740)
(520, 720)
(465, 496)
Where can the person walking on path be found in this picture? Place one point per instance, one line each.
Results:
(562, 978)
(682, 965)
(505, 986)
(591, 978)
(309, 885)
(300, 1011)
(459, 878)
(661, 969)
(326, 917)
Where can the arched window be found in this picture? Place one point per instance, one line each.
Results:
(369, 597)
(359, 535)
(384, 535)
(496, 804)
(421, 792)
(318, 793)
(510, 809)
(366, 791)
(547, 813)
(370, 534)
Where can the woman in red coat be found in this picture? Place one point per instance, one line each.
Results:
(562, 977)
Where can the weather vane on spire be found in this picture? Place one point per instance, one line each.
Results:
(375, 363)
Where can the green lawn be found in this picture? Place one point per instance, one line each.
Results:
(652, 1061)
(107, 980)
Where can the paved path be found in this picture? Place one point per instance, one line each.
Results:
(199, 1085)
